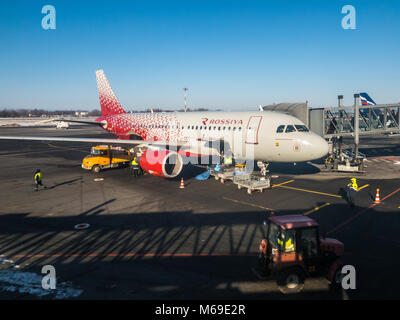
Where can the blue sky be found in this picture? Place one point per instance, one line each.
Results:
(232, 55)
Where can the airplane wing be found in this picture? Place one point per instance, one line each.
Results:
(92, 140)
(78, 121)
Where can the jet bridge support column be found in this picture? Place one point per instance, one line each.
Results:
(356, 124)
(340, 106)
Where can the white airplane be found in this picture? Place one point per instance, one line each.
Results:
(168, 139)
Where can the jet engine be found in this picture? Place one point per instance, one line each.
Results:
(162, 163)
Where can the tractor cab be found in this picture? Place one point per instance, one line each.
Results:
(292, 249)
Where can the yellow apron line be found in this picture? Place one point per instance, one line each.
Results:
(311, 191)
(63, 148)
(367, 185)
(316, 209)
(281, 184)
(247, 203)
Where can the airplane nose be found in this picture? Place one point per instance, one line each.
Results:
(322, 148)
(315, 147)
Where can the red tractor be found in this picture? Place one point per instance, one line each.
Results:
(292, 250)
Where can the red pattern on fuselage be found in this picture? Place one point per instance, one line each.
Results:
(149, 126)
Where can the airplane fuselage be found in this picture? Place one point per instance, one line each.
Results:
(267, 136)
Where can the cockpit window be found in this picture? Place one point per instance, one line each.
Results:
(280, 129)
(301, 128)
(290, 128)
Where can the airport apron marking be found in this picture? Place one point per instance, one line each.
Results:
(311, 191)
(122, 255)
(361, 212)
(367, 185)
(248, 204)
(281, 184)
(63, 148)
(316, 209)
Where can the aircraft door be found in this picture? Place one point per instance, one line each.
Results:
(252, 129)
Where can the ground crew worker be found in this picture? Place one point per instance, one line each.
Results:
(352, 188)
(228, 160)
(38, 180)
(135, 167)
(289, 246)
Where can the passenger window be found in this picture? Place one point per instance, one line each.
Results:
(290, 128)
(197, 127)
(280, 129)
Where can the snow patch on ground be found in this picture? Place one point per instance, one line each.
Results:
(31, 283)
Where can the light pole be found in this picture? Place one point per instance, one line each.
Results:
(185, 89)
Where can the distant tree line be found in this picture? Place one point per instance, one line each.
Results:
(169, 110)
(25, 113)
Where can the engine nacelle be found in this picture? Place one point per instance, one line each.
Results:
(162, 163)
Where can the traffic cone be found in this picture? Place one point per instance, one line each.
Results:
(182, 186)
(377, 198)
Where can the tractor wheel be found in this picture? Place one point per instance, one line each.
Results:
(96, 169)
(291, 281)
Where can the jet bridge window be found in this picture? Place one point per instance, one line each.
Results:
(280, 129)
(301, 128)
(290, 128)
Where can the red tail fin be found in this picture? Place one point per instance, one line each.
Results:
(108, 101)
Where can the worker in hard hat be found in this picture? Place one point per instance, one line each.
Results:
(135, 167)
(352, 189)
(38, 179)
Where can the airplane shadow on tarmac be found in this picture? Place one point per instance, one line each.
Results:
(181, 255)
(301, 168)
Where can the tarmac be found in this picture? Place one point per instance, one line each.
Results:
(149, 239)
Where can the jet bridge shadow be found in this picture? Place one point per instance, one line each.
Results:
(381, 152)
(178, 255)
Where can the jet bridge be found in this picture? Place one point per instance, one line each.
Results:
(341, 121)
(335, 123)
